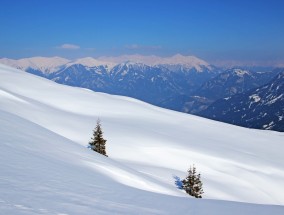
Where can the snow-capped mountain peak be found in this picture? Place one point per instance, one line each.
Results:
(240, 72)
(44, 64)
(48, 65)
(149, 60)
(186, 61)
(181, 59)
(152, 60)
(90, 62)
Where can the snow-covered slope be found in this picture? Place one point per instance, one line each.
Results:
(46, 168)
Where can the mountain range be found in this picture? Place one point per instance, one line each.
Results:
(182, 83)
(225, 84)
(149, 78)
(51, 64)
(261, 107)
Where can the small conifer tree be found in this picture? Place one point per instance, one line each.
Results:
(97, 142)
(192, 183)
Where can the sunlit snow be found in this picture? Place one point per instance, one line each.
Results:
(47, 169)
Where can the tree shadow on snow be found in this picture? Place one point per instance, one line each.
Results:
(178, 182)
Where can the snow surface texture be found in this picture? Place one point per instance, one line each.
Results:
(47, 169)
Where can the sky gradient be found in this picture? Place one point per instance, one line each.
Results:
(214, 30)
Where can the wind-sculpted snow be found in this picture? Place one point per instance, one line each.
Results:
(47, 169)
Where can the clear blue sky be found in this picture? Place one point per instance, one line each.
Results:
(209, 29)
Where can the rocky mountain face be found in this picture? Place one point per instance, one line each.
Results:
(261, 107)
(152, 79)
(228, 83)
(152, 84)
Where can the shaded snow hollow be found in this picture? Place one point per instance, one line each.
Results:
(47, 169)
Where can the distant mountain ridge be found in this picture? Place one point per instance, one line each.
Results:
(182, 83)
(224, 84)
(152, 84)
(46, 63)
(152, 79)
(43, 64)
(261, 107)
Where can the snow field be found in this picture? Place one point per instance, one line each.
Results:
(47, 169)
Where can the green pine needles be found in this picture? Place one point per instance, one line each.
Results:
(192, 183)
(98, 143)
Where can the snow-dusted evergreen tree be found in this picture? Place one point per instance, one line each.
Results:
(192, 183)
(97, 142)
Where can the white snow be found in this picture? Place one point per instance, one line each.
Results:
(90, 62)
(274, 99)
(44, 64)
(240, 72)
(254, 99)
(152, 60)
(269, 126)
(124, 73)
(47, 169)
(52, 64)
(148, 60)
